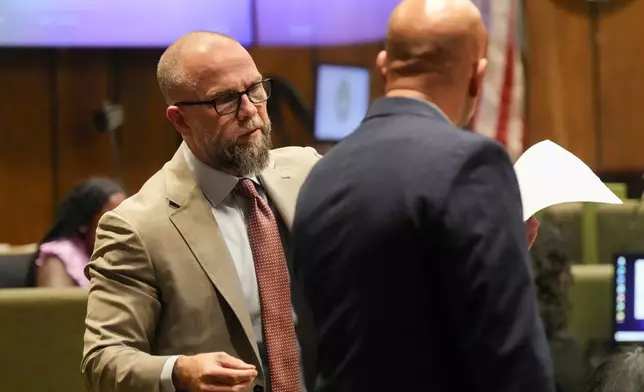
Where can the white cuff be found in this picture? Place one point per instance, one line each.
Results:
(165, 382)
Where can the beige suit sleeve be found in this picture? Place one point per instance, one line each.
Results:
(122, 313)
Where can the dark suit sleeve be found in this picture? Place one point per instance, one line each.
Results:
(489, 289)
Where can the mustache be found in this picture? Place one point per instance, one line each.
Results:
(252, 124)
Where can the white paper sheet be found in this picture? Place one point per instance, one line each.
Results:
(549, 174)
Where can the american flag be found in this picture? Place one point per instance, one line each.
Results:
(500, 113)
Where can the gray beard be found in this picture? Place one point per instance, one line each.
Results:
(238, 159)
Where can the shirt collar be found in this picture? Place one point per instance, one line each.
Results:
(215, 184)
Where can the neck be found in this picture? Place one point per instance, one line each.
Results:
(407, 93)
(203, 158)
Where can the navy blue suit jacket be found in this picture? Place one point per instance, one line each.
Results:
(410, 245)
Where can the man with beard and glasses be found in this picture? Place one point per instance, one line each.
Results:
(189, 280)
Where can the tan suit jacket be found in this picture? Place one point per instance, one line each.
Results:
(163, 281)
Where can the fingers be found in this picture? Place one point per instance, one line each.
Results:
(223, 376)
(226, 388)
(226, 361)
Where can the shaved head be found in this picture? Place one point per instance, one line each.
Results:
(434, 47)
(176, 69)
(437, 36)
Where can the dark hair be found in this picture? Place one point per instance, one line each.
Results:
(552, 277)
(77, 211)
(80, 207)
(620, 372)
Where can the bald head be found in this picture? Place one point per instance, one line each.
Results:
(435, 51)
(217, 101)
(182, 63)
(440, 37)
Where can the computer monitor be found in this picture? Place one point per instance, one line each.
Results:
(629, 298)
(341, 100)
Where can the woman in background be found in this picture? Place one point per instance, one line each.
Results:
(65, 250)
(553, 278)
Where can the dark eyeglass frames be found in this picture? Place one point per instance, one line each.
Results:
(230, 102)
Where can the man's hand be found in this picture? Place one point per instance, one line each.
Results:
(532, 227)
(212, 372)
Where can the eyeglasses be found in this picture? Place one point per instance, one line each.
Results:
(230, 102)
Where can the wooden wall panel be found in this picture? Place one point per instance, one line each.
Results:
(26, 187)
(294, 65)
(147, 139)
(621, 59)
(559, 76)
(560, 92)
(81, 81)
(82, 89)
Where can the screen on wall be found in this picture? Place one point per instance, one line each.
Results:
(341, 100)
(322, 22)
(118, 23)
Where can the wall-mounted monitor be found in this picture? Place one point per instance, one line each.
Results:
(322, 22)
(341, 100)
(118, 23)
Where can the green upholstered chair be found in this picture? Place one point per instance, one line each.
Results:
(591, 297)
(14, 264)
(596, 232)
(619, 189)
(590, 226)
(41, 339)
(567, 217)
(620, 229)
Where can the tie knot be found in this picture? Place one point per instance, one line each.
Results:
(246, 188)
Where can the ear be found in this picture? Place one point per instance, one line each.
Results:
(477, 79)
(178, 120)
(381, 62)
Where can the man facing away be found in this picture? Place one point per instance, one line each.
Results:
(189, 284)
(408, 236)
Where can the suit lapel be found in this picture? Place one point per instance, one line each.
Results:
(282, 189)
(198, 227)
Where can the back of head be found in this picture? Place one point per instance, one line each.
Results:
(435, 50)
(621, 372)
(80, 207)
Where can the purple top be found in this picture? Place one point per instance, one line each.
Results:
(71, 251)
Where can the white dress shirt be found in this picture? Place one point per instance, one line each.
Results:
(230, 212)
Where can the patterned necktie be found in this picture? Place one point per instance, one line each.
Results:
(274, 292)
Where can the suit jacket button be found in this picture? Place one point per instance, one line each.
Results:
(258, 388)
